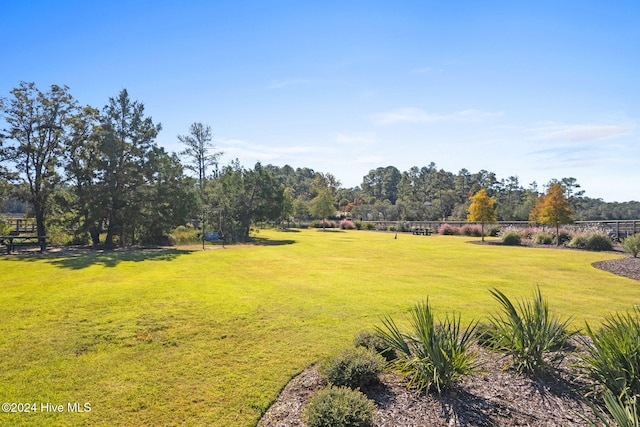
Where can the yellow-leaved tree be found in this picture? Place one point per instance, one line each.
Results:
(552, 209)
(482, 209)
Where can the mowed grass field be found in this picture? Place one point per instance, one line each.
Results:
(191, 337)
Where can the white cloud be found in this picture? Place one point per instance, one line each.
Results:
(417, 115)
(578, 133)
(250, 152)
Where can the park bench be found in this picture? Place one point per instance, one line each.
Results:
(14, 242)
(422, 231)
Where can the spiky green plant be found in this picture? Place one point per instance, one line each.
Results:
(613, 355)
(433, 356)
(623, 410)
(631, 245)
(529, 334)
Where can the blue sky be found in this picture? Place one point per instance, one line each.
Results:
(539, 90)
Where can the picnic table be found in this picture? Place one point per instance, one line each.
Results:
(422, 231)
(13, 242)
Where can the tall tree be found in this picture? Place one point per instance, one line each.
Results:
(81, 164)
(199, 150)
(482, 209)
(553, 209)
(322, 205)
(38, 125)
(127, 138)
(244, 196)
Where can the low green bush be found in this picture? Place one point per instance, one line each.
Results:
(511, 238)
(339, 407)
(543, 238)
(369, 226)
(183, 235)
(433, 356)
(375, 342)
(599, 242)
(613, 354)
(529, 334)
(355, 367)
(563, 237)
(579, 242)
(631, 245)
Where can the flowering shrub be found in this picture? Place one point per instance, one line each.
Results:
(473, 230)
(448, 230)
(347, 224)
(327, 224)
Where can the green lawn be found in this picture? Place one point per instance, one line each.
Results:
(210, 337)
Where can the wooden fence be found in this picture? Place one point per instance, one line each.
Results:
(618, 229)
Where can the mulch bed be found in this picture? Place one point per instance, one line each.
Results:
(494, 396)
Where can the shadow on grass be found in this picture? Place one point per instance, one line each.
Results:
(261, 241)
(77, 260)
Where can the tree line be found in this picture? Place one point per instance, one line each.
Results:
(100, 175)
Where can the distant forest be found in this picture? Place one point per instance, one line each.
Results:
(100, 175)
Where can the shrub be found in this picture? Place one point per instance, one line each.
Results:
(183, 235)
(323, 223)
(369, 226)
(355, 367)
(511, 238)
(432, 356)
(374, 342)
(358, 225)
(494, 230)
(563, 237)
(613, 355)
(347, 224)
(339, 407)
(448, 230)
(631, 245)
(472, 230)
(543, 238)
(5, 226)
(529, 334)
(599, 242)
(579, 242)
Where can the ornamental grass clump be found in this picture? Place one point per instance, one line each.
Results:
(623, 411)
(529, 334)
(631, 245)
(613, 355)
(432, 356)
(511, 238)
(339, 407)
(354, 368)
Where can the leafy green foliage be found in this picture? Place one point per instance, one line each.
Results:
(579, 242)
(354, 367)
(373, 341)
(529, 334)
(511, 238)
(599, 242)
(624, 412)
(613, 355)
(339, 407)
(631, 245)
(543, 238)
(433, 356)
